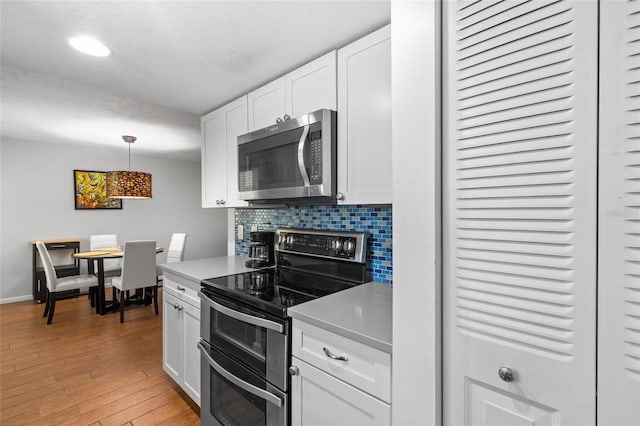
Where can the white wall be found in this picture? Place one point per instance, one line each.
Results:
(37, 202)
(417, 246)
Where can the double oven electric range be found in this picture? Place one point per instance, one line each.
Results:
(245, 331)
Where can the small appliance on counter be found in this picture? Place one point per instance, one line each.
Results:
(261, 252)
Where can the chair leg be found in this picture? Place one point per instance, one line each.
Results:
(46, 305)
(155, 298)
(92, 296)
(52, 308)
(121, 306)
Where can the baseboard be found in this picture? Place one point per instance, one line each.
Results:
(15, 299)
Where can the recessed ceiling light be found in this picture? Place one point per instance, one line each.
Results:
(90, 46)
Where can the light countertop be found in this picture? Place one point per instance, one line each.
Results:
(200, 269)
(361, 313)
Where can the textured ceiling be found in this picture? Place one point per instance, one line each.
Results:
(172, 61)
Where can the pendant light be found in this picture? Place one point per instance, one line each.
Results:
(128, 184)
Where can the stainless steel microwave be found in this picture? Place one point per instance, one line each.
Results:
(289, 161)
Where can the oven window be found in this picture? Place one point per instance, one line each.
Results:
(234, 406)
(244, 341)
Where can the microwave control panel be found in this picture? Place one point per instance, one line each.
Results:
(315, 154)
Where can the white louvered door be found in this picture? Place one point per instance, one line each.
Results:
(519, 170)
(619, 210)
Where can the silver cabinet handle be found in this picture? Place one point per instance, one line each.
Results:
(301, 144)
(336, 357)
(175, 306)
(339, 196)
(254, 390)
(180, 308)
(249, 319)
(278, 120)
(286, 117)
(506, 374)
(222, 202)
(293, 370)
(180, 288)
(218, 202)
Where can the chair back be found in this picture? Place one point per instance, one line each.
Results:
(103, 241)
(139, 265)
(176, 248)
(47, 264)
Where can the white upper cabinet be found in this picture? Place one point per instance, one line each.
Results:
(266, 103)
(311, 87)
(214, 157)
(364, 120)
(220, 130)
(306, 89)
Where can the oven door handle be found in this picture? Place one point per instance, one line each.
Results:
(240, 316)
(254, 390)
(301, 165)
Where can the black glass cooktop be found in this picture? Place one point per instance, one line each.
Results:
(273, 290)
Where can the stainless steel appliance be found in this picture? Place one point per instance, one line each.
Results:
(245, 332)
(289, 161)
(261, 251)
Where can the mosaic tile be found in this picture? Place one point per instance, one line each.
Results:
(376, 221)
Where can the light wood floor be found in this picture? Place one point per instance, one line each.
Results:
(86, 369)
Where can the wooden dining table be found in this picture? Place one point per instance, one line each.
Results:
(102, 305)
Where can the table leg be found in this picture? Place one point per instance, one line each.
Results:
(100, 303)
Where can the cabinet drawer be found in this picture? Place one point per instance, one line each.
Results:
(180, 290)
(366, 368)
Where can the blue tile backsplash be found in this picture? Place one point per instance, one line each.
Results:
(376, 220)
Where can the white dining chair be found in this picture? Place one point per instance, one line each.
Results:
(56, 285)
(112, 267)
(175, 252)
(138, 271)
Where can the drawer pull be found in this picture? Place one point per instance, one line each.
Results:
(180, 288)
(336, 357)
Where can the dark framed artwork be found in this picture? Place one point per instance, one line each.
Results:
(90, 190)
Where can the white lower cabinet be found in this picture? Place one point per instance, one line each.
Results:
(318, 398)
(180, 335)
(337, 381)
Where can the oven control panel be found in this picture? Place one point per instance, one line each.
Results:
(332, 244)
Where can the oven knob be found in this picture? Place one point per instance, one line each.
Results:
(293, 370)
(338, 245)
(280, 238)
(289, 239)
(349, 246)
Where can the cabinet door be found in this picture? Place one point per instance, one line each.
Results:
(235, 124)
(320, 399)
(213, 158)
(364, 120)
(312, 86)
(265, 104)
(619, 215)
(172, 338)
(519, 235)
(191, 317)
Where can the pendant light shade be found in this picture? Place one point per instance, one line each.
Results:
(124, 184)
(128, 184)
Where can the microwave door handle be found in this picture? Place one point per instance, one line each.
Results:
(254, 390)
(240, 316)
(301, 166)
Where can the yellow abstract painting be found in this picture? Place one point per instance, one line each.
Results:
(91, 191)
